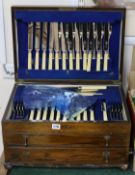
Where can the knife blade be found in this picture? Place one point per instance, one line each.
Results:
(37, 44)
(57, 36)
(84, 47)
(99, 46)
(30, 45)
(70, 47)
(51, 46)
(108, 33)
(90, 46)
(77, 48)
(44, 45)
(94, 39)
(63, 48)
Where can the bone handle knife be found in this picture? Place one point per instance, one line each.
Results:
(51, 46)
(77, 48)
(107, 44)
(37, 45)
(64, 55)
(44, 44)
(56, 45)
(30, 45)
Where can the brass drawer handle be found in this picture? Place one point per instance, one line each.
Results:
(107, 139)
(106, 156)
(26, 141)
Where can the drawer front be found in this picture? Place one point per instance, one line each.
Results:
(68, 128)
(71, 140)
(66, 157)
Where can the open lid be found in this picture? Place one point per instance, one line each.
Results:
(29, 25)
(132, 72)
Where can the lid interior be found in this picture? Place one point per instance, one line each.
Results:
(23, 17)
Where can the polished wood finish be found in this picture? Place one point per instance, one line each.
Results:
(64, 140)
(70, 128)
(66, 156)
(75, 144)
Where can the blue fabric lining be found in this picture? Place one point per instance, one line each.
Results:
(68, 16)
(23, 93)
(24, 16)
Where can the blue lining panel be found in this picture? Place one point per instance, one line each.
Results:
(69, 75)
(18, 93)
(68, 16)
(23, 43)
(111, 96)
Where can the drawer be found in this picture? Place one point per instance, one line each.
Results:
(67, 128)
(84, 140)
(67, 157)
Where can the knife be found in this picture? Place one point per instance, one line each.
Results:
(57, 36)
(70, 47)
(51, 46)
(108, 33)
(100, 36)
(30, 45)
(44, 45)
(94, 39)
(90, 46)
(73, 39)
(77, 48)
(84, 46)
(37, 44)
(104, 109)
(63, 47)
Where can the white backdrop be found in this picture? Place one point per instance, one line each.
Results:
(2, 41)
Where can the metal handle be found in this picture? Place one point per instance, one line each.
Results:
(107, 138)
(106, 155)
(26, 141)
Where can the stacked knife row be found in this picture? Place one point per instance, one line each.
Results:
(69, 46)
(110, 112)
